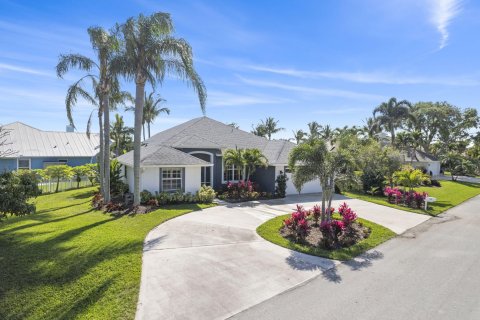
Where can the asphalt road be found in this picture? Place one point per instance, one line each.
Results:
(430, 272)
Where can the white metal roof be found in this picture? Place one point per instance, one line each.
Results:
(27, 141)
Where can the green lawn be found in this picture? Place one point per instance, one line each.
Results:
(68, 261)
(270, 232)
(449, 195)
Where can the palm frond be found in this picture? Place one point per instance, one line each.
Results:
(67, 61)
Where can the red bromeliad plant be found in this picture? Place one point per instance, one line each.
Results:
(316, 212)
(409, 198)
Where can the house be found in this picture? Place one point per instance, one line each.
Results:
(423, 161)
(189, 155)
(33, 148)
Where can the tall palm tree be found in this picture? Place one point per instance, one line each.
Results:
(102, 77)
(391, 115)
(371, 127)
(327, 133)
(314, 130)
(271, 127)
(253, 158)
(150, 53)
(120, 135)
(259, 130)
(299, 135)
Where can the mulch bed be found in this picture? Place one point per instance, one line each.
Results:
(357, 233)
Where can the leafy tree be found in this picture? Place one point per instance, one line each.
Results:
(4, 149)
(314, 130)
(78, 173)
(253, 158)
(91, 171)
(371, 127)
(299, 136)
(453, 134)
(102, 76)
(118, 187)
(16, 189)
(59, 172)
(259, 130)
(121, 136)
(392, 114)
(150, 52)
(457, 164)
(315, 159)
(267, 128)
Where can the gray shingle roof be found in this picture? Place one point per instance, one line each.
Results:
(27, 141)
(155, 155)
(419, 155)
(208, 133)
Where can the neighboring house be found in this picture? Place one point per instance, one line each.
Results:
(36, 149)
(422, 160)
(190, 155)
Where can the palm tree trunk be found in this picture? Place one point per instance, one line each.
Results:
(392, 135)
(324, 190)
(100, 154)
(139, 101)
(148, 125)
(106, 159)
(143, 126)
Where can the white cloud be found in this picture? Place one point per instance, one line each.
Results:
(15, 68)
(224, 99)
(442, 13)
(311, 90)
(369, 77)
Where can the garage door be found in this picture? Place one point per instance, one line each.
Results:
(309, 187)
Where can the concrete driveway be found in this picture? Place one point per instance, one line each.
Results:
(211, 264)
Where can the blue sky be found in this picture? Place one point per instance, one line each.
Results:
(298, 61)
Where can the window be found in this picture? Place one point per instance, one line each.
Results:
(53, 163)
(206, 175)
(23, 164)
(232, 173)
(171, 179)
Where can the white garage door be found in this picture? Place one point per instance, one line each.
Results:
(309, 187)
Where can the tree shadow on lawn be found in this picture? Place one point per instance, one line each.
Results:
(55, 262)
(356, 264)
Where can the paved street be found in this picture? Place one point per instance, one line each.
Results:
(429, 272)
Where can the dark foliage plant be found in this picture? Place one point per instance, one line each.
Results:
(281, 185)
(15, 191)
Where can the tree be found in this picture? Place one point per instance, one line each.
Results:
(314, 130)
(391, 115)
(259, 130)
(316, 159)
(457, 164)
(78, 173)
(150, 52)
(233, 125)
(253, 158)
(4, 149)
(371, 127)
(121, 136)
(235, 157)
(103, 79)
(17, 188)
(271, 127)
(299, 136)
(59, 172)
(91, 172)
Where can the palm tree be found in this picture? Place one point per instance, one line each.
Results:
(120, 135)
(392, 114)
(259, 130)
(150, 111)
(299, 135)
(271, 127)
(150, 53)
(326, 133)
(233, 125)
(371, 127)
(103, 79)
(253, 158)
(314, 130)
(235, 157)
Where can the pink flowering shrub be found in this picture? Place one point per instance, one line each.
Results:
(298, 223)
(316, 212)
(409, 199)
(241, 190)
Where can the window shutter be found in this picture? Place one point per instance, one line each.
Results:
(183, 179)
(160, 180)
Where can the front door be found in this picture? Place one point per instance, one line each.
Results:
(206, 176)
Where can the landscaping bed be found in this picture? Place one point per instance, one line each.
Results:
(338, 238)
(449, 195)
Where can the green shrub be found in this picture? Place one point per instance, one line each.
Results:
(206, 194)
(145, 196)
(16, 188)
(281, 187)
(372, 179)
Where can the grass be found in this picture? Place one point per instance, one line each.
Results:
(270, 231)
(68, 261)
(449, 195)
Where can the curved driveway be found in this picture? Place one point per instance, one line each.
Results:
(211, 264)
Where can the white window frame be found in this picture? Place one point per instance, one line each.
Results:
(204, 168)
(233, 169)
(180, 178)
(24, 159)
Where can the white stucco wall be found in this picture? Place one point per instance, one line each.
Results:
(309, 187)
(150, 179)
(192, 179)
(433, 166)
(129, 179)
